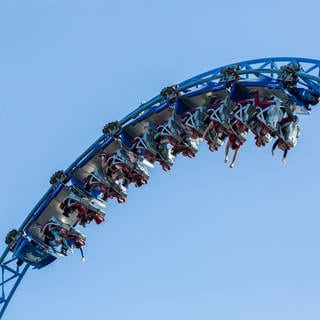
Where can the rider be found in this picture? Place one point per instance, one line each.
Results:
(112, 171)
(213, 137)
(287, 136)
(235, 145)
(123, 165)
(55, 236)
(73, 207)
(153, 147)
(281, 145)
(100, 186)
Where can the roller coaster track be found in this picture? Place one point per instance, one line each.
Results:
(264, 68)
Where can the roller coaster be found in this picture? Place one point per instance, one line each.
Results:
(222, 106)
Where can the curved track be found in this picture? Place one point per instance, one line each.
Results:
(262, 84)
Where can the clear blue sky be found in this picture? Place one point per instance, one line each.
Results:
(201, 242)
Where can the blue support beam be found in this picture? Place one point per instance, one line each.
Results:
(11, 276)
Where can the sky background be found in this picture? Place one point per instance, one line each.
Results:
(200, 242)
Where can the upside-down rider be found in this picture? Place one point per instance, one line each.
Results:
(55, 235)
(85, 215)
